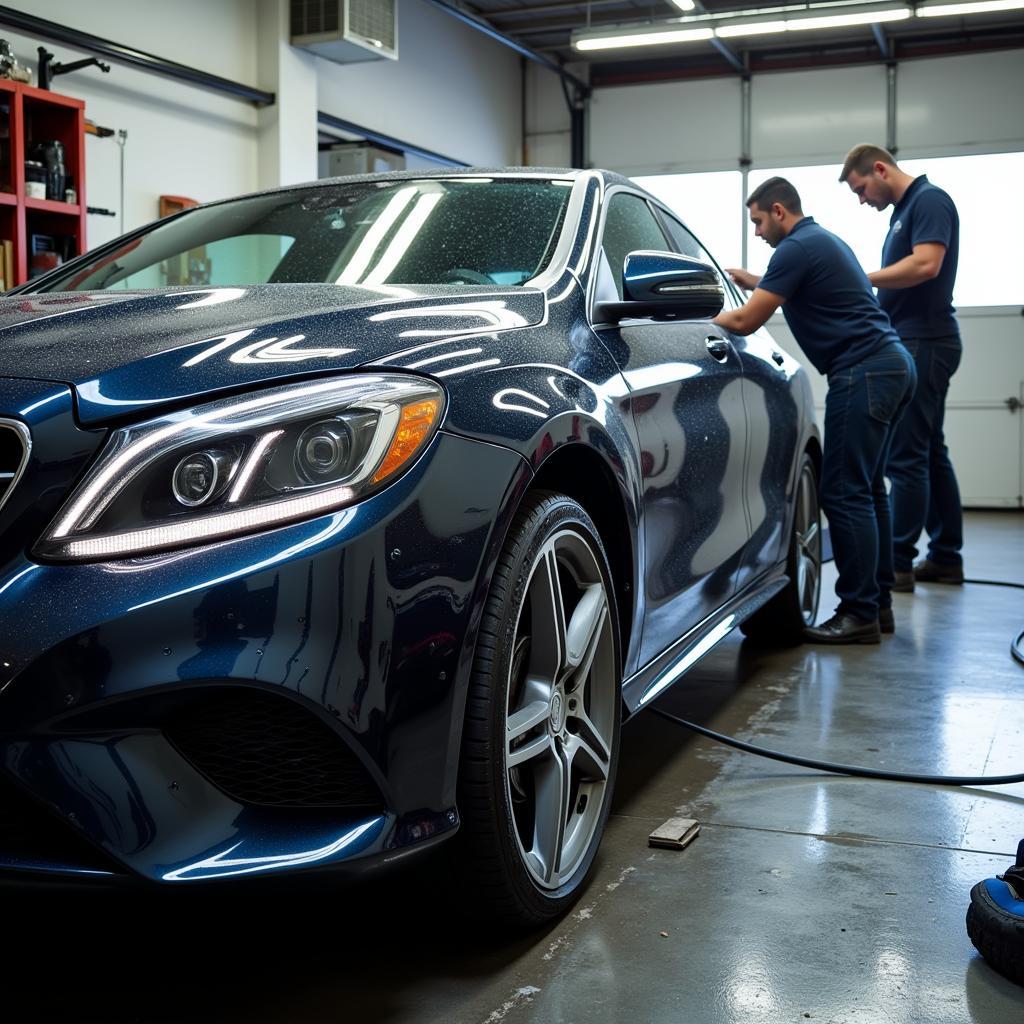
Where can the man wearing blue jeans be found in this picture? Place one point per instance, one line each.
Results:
(915, 287)
(834, 316)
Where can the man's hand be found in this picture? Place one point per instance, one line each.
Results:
(744, 278)
(752, 315)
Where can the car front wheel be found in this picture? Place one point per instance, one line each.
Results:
(541, 737)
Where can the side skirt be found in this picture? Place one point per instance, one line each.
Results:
(664, 670)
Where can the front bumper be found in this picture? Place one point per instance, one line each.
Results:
(135, 695)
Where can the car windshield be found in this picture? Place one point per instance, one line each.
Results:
(431, 231)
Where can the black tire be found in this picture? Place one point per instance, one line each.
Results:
(534, 798)
(782, 620)
(997, 934)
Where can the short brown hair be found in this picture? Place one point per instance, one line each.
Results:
(863, 157)
(776, 190)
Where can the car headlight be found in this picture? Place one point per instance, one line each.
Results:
(244, 464)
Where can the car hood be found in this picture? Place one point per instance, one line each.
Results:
(123, 352)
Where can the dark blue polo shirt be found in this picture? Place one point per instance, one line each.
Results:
(830, 306)
(924, 214)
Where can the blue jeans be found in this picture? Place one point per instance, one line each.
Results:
(863, 404)
(925, 494)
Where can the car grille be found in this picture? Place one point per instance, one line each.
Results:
(30, 836)
(263, 749)
(15, 444)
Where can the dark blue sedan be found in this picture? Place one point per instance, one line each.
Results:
(345, 519)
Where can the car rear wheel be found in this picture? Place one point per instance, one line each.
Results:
(783, 619)
(541, 738)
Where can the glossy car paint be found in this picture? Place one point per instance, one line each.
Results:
(365, 618)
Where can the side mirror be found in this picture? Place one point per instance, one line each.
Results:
(665, 286)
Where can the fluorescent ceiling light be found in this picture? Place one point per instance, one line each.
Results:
(647, 38)
(754, 28)
(944, 10)
(767, 21)
(842, 20)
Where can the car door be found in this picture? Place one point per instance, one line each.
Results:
(685, 395)
(772, 407)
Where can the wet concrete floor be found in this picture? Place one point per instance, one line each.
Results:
(806, 897)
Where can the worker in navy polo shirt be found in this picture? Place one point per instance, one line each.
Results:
(915, 287)
(834, 316)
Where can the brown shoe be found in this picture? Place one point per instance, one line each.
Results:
(904, 582)
(927, 571)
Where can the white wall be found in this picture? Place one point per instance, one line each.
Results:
(648, 132)
(182, 140)
(961, 105)
(945, 106)
(547, 139)
(808, 117)
(452, 90)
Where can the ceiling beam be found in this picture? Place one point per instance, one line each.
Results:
(514, 13)
(727, 52)
(566, 23)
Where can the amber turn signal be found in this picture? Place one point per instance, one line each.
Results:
(415, 424)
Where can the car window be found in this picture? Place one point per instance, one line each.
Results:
(224, 261)
(629, 225)
(684, 242)
(484, 231)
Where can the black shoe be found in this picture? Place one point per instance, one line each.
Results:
(886, 620)
(843, 628)
(927, 571)
(904, 582)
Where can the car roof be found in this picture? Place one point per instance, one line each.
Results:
(608, 177)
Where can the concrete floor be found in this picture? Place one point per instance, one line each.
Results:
(805, 897)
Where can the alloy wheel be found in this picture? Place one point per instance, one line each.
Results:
(561, 709)
(807, 529)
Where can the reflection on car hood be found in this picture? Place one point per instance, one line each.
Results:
(126, 351)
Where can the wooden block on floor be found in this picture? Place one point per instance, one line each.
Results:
(675, 833)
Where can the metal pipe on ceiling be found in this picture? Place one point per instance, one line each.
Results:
(489, 30)
(39, 27)
(387, 141)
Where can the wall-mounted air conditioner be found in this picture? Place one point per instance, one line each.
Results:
(346, 31)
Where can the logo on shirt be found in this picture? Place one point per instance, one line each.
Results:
(897, 226)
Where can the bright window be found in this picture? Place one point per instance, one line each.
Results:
(988, 268)
(709, 204)
(991, 223)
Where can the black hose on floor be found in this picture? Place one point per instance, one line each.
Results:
(842, 769)
(856, 770)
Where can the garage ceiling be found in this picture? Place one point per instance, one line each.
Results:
(545, 26)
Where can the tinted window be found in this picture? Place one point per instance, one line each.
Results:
(430, 231)
(630, 225)
(685, 243)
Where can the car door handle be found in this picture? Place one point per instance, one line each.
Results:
(719, 348)
(779, 358)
